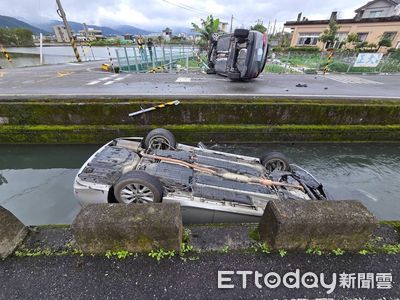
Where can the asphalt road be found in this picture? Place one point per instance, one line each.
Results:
(87, 79)
(74, 277)
(196, 276)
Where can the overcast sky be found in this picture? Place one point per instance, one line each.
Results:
(155, 14)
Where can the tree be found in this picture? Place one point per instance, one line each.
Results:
(16, 37)
(385, 42)
(328, 36)
(352, 38)
(208, 27)
(259, 27)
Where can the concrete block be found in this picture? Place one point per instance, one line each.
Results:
(12, 232)
(132, 227)
(326, 225)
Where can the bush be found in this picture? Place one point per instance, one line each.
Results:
(16, 37)
(394, 50)
(338, 67)
(278, 49)
(310, 71)
(312, 49)
(395, 54)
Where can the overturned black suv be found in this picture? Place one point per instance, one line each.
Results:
(239, 56)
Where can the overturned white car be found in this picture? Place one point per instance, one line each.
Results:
(211, 186)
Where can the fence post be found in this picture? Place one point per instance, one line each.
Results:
(328, 62)
(6, 55)
(119, 60)
(127, 60)
(41, 48)
(320, 59)
(136, 60)
(187, 63)
(351, 65)
(170, 59)
(163, 53)
(384, 63)
(109, 55)
(155, 55)
(287, 62)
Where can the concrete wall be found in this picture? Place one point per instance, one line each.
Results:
(239, 120)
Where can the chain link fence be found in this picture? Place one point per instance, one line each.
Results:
(317, 62)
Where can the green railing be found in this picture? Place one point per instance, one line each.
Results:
(166, 58)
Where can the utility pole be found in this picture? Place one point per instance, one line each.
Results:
(230, 31)
(86, 30)
(61, 13)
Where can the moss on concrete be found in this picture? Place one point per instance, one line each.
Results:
(265, 112)
(95, 134)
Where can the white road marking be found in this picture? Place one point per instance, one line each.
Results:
(93, 82)
(351, 79)
(108, 78)
(183, 79)
(116, 79)
(105, 78)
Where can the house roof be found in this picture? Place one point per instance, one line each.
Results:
(393, 2)
(345, 21)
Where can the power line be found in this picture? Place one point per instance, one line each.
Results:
(200, 12)
(194, 8)
(183, 6)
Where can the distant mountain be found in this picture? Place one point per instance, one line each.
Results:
(107, 31)
(178, 30)
(48, 26)
(9, 22)
(127, 29)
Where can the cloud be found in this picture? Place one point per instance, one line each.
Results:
(156, 14)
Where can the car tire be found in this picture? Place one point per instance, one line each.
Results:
(159, 138)
(275, 160)
(138, 187)
(241, 33)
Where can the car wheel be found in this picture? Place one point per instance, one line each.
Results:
(241, 33)
(160, 138)
(138, 187)
(275, 161)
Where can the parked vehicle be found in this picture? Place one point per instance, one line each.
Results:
(239, 56)
(211, 186)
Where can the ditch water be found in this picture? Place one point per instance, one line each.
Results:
(36, 180)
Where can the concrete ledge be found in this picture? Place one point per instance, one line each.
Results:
(132, 227)
(326, 225)
(12, 232)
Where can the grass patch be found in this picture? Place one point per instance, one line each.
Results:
(254, 234)
(394, 224)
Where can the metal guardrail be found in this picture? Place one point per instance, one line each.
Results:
(144, 60)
